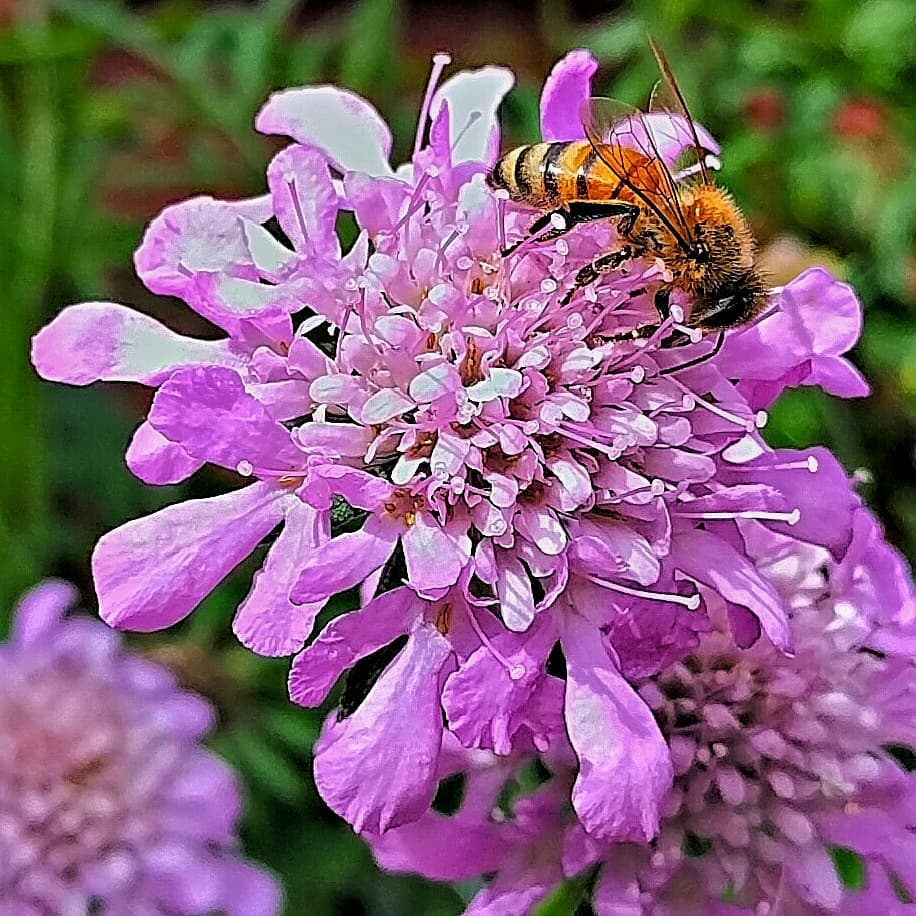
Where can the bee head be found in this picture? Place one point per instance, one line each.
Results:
(734, 301)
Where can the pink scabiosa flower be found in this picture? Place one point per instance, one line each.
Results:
(110, 803)
(785, 765)
(495, 471)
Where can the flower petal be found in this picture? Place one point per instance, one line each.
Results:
(40, 609)
(434, 555)
(153, 571)
(710, 560)
(267, 621)
(104, 341)
(625, 769)
(210, 415)
(304, 200)
(156, 460)
(383, 406)
(344, 126)
(569, 84)
(200, 235)
(348, 638)
(345, 561)
(473, 97)
(378, 768)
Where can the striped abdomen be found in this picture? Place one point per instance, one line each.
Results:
(545, 175)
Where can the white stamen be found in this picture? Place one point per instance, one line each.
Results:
(245, 468)
(790, 518)
(512, 670)
(691, 602)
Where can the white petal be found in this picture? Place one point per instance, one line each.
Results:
(344, 126)
(468, 92)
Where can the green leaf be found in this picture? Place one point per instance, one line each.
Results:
(367, 62)
(566, 897)
(850, 866)
(297, 728)
(262, 765)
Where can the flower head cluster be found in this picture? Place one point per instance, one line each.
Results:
(780, 761)
(108, 801)
(422, 418)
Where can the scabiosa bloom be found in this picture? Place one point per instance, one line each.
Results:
(109, 802)
(780, 761)
(519, 472)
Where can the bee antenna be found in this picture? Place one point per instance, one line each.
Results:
(696, 362)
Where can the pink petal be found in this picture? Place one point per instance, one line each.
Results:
(344, 126)
(40, 609)
(304, 200)
(383, 406)
(210, 415)
(470, 94)
(344, 561)
(501, 383)
(103, 341)
(625, 769)
(442, 848)
(434, 555)
(712, 561)
(153, 571)
(200, 235)
(815, 877)
(609, 548)
(156, 460)
(569, 84)
(378, 768)
(267, 621)
(542, 527)
(346, 439)
(434, 382)
(348, 638)
(516, 599)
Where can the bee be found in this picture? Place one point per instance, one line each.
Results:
(693, 226)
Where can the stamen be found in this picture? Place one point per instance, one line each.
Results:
(747, 424)
(297, 206)
(440, 62)
(416, 201)
(790, 518)
(608, 450)
(515, 672)
(810, 464)
(691, 602)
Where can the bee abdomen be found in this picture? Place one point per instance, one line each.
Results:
(530, 173)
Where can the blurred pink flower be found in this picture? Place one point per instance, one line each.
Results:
(778, 760)
(107, 796)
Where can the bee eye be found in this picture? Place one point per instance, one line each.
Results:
(699, 252)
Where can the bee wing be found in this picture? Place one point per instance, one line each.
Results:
(667, 97)
(625, 144)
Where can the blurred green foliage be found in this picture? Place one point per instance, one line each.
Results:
(109, 110)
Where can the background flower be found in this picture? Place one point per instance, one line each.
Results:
(790, 789)
(109, 799)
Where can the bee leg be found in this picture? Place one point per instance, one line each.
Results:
(599, 266)
(663, 303)
(576, 212)
(540, 223)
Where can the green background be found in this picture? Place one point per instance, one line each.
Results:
(109, 111)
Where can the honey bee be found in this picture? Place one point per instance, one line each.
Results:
(693, 226)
